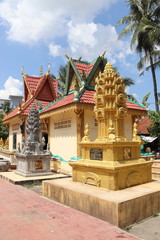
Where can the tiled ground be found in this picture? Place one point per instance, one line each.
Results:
(25, 215)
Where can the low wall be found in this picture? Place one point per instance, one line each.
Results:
(8, 155)
(60, 166)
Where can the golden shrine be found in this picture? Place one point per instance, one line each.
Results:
(111, 161)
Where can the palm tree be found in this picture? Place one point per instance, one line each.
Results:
(62, 79)
(127, 82)
(144, 22)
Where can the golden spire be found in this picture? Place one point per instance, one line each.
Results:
(41, 70)
(109, 66)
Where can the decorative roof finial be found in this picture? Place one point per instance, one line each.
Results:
(22, 70)
(41, 71)
(49, 68)
(66, 55)
(104, 52)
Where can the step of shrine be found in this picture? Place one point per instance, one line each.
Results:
(14, 178)
(121, 208)
(156, 169)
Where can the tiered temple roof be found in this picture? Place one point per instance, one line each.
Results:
(37, 90)
(79, 87)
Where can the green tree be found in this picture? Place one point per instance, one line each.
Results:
(62, 79)
(127, 82)
(145, 99)
(154, 128)
(143, 22)
(6, 106)
(3, 129)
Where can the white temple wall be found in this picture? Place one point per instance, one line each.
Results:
(128, 128)
(15, 135)
(63, 135)
(89, 117)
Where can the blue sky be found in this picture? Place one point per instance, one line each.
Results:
(38, 32)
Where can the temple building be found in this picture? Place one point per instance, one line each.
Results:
(65, 105)
(39, 91)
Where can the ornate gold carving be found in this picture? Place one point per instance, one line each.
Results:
(92, 178)
(99, 89)
(133, 178)
(99, 101)
(118, 168)
(121, 99)
(111, 131)
(118, 80)
(86, 133)
(121, 112)
(113, 182)
(135, 136)
(99, 112)
(127, 153)
(119, 88)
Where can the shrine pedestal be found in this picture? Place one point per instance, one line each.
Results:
(121, 208)
(33, 165)
(111, 165)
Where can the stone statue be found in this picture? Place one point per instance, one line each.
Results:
(33, 160)
(86, 133)
(33, 145)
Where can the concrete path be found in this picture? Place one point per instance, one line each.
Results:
(25, 215)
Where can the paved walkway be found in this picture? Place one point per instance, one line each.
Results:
(25, 215)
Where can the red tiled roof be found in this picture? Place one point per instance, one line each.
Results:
(32, 82)
(60, 103)
(134, 105)
(143, 124)
(87, 97)
(36, 85)
(11, 114)
(84, 67)
(25, 108)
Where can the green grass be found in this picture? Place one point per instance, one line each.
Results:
(32, 184)
(155, 214)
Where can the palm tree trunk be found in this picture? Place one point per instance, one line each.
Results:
(154, 83)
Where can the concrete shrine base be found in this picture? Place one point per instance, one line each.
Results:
(121, 208)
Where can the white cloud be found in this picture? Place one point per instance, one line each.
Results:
(65, 26)
(55, 50)
(30, 21)
(81, 35)
(90, 40)
(135, 96)
(12, 86)
(139, 81)
(127, 90)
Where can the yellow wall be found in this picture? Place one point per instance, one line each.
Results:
(63, 142)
